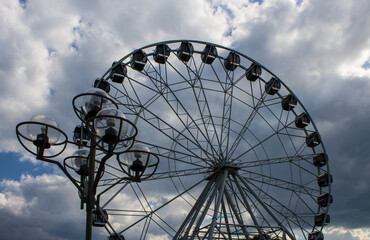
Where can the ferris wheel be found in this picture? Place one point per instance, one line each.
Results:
(240, 156)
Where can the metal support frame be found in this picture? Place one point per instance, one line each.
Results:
(267, 209)
(218, 203)
(236, 214)
(191, 217)
(246, 204)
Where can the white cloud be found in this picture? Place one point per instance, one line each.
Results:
(339, 233)
(54, 50)
(42, 207)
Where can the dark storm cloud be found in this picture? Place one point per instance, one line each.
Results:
(345, 125)
(313, 52)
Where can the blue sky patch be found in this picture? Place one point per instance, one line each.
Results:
(74, 46)
(227, 10)
(12, 168)
(23, 3)
(256, 1)
(299, 2)
(366, 65)
(229, 32)
(51, 51)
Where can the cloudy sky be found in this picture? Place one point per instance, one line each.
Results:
(53, 50)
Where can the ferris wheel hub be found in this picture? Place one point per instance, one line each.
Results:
(231, 168)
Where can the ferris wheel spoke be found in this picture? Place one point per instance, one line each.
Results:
(267, 122)
(145, 228)
(237, 214)
(228, 79)
(178, 173)
(188, 222)
(163, 205)
(203, 105)
(297, 164)
(246, 204)
(272, 215)
(277, 118)
(226, 119)
(139, 199)
(227, 89)
(205, 113)
(280, 183)
(207, 206)
(282, 206)
(178, 72)
(138, 109)
(246, 125)
(134, 103)
(260, 142)
(109, 168)
(110, 181)
(145, 210)
(173, 155)
(227, 224)
(283, 145)
(289, 212)
(277, 133)
(202, 102)
(172, 133)
(193, 71)
(294, 159)
(151, 210)
(278, 160)
(125, 100)
(271, 102)
(155, 75)
(253, 97)
(280, 120)
(299, 150)
(156, 94)
(110, 229)
(221, 190)
(294, 163)
(113, 196)
(186, 119)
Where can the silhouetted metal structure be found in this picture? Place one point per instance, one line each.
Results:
(241, 158)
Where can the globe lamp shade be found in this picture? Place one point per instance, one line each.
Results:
(79, 161)
(94, 100)
(110, 125)
(137, 158)
(41, 133)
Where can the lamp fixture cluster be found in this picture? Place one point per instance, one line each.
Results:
(104, 129)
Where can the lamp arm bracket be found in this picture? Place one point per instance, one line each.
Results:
(64, 171)
(100, 170)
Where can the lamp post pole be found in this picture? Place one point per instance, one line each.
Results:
(90, 190)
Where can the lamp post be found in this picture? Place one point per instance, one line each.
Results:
(104, 129)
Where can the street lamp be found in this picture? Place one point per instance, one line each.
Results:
(79, 161)
(104, 128)
(138, 162)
